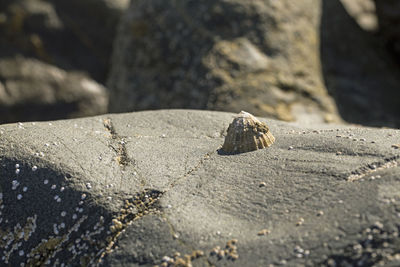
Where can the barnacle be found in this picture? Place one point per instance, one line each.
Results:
(246, 133)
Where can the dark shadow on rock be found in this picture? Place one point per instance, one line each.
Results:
(41, 207)
(36, 112)
(388, 13)
(223, 153)
(358, 72)
(384, 240)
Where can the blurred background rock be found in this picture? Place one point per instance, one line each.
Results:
(54, 57)
(309, 61)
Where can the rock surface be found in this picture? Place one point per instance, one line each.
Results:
(260, 56)
(130, 189)
(33, 90)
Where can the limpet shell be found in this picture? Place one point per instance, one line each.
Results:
(246, 133)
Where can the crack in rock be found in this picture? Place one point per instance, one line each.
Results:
(118, 145)
(143, 203)
(373, 167)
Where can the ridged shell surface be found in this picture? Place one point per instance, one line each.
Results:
(246, 133)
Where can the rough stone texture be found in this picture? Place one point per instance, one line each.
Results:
(389, 24)
(156, 184)
(358, 70)
(260, 56)
(33, 90)
(73, 35)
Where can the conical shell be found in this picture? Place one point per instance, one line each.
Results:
(246, 133)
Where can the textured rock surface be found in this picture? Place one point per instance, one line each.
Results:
(358, 70)
(33, 90)
(260, 56)
(130, 189)
(75, 35)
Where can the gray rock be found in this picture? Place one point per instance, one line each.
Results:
(33, 90)
(261, 56)
(133, 189)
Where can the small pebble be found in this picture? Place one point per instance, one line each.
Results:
(378, 225)
(290, 147)
(46, 181)
(320, 213)
(15, 184)
(34, 168)
(263, 232)
(166, 259)
(300, 222)
(19, 196)
(262, 184)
